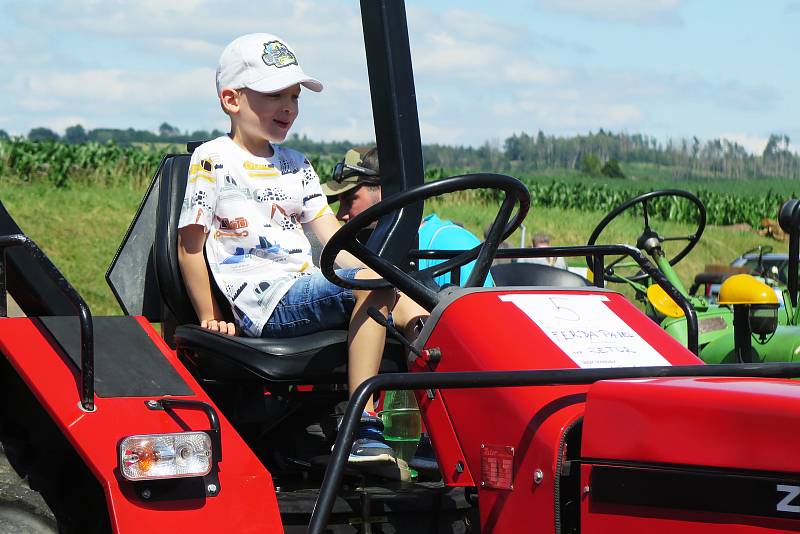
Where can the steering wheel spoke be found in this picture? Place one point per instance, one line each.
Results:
(616, 263)
(451, 264)
(692, 237)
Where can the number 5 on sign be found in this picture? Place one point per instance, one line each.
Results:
(563, 311)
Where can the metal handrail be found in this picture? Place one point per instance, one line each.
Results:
(487, 379)
(86, 386)
(597, 253)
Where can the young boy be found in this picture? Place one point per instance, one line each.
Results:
(247, 203)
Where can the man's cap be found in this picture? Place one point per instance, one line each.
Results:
(261, 62)
(359, 167)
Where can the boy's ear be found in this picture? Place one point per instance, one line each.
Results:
(229, 100)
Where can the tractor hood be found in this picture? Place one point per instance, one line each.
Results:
(546, 328)
(728, 423)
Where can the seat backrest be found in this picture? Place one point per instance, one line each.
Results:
(535, 274)
(172, 186)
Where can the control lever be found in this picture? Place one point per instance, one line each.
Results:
(381, 320)
(425, 360)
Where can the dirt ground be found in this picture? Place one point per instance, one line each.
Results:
(13, 309)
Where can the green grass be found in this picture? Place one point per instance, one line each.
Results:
(571, 227)
(80, 229)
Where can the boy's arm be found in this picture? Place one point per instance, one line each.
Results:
(191, 240)
(324, 227)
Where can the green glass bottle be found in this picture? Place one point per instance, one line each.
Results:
(402, 423)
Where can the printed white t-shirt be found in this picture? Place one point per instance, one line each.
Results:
(252, 208)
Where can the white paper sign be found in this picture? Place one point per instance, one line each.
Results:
(587, 330)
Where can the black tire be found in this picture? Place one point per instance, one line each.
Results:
(56, 492)
(22, 510)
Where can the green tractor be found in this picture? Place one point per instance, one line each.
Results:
(747, 324)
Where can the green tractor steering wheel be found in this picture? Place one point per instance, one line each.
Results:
(649, 240)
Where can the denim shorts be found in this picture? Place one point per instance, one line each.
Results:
(312, 304)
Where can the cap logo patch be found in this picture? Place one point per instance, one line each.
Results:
(277, 54)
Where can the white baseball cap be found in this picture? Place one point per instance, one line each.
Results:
(261, 62)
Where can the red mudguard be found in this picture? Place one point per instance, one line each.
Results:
(246, 502)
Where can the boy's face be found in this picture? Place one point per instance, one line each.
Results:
(267, 116)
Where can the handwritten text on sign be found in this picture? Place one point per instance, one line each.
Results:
(587, 330)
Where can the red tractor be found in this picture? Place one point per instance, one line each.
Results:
(550, 408)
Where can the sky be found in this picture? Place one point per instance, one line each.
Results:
(484, 70)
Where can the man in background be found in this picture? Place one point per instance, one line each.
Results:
(356, 184)
(543, 240)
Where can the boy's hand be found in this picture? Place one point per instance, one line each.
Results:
(222, 327)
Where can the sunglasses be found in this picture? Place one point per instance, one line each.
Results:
(343, 170)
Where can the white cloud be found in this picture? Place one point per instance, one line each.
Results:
(95, 87)
(198, 47)
(444, 52)
(645, 12)
(737, 95)
(530, 73)
(124, 64)
(460, 47)
(580, 116)
(349, 84)
(349, 128)
(444, 133)
(678, 88)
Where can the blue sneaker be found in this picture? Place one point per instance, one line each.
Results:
(369, 444)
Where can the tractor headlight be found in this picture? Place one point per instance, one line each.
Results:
(763, 319)
(154, 456)
(743, 290)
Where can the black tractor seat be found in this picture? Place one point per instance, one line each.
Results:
(535, 274)
(214, 357)
(317, 358)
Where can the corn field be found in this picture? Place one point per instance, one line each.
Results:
(62, 165)
(721, 208)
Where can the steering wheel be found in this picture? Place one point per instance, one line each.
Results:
(650, 241)
(420, 285)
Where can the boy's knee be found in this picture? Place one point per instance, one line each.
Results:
(367, 274)
(387, 296)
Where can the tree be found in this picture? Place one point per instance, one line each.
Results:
(612, 169)
(167, 130)
(772, 146)
(4, 135)
(590, 165)
(42, 134)
(75, 134)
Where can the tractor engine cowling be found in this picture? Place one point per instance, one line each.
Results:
(691, 455)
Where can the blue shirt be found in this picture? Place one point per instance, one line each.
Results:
(436, 234)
